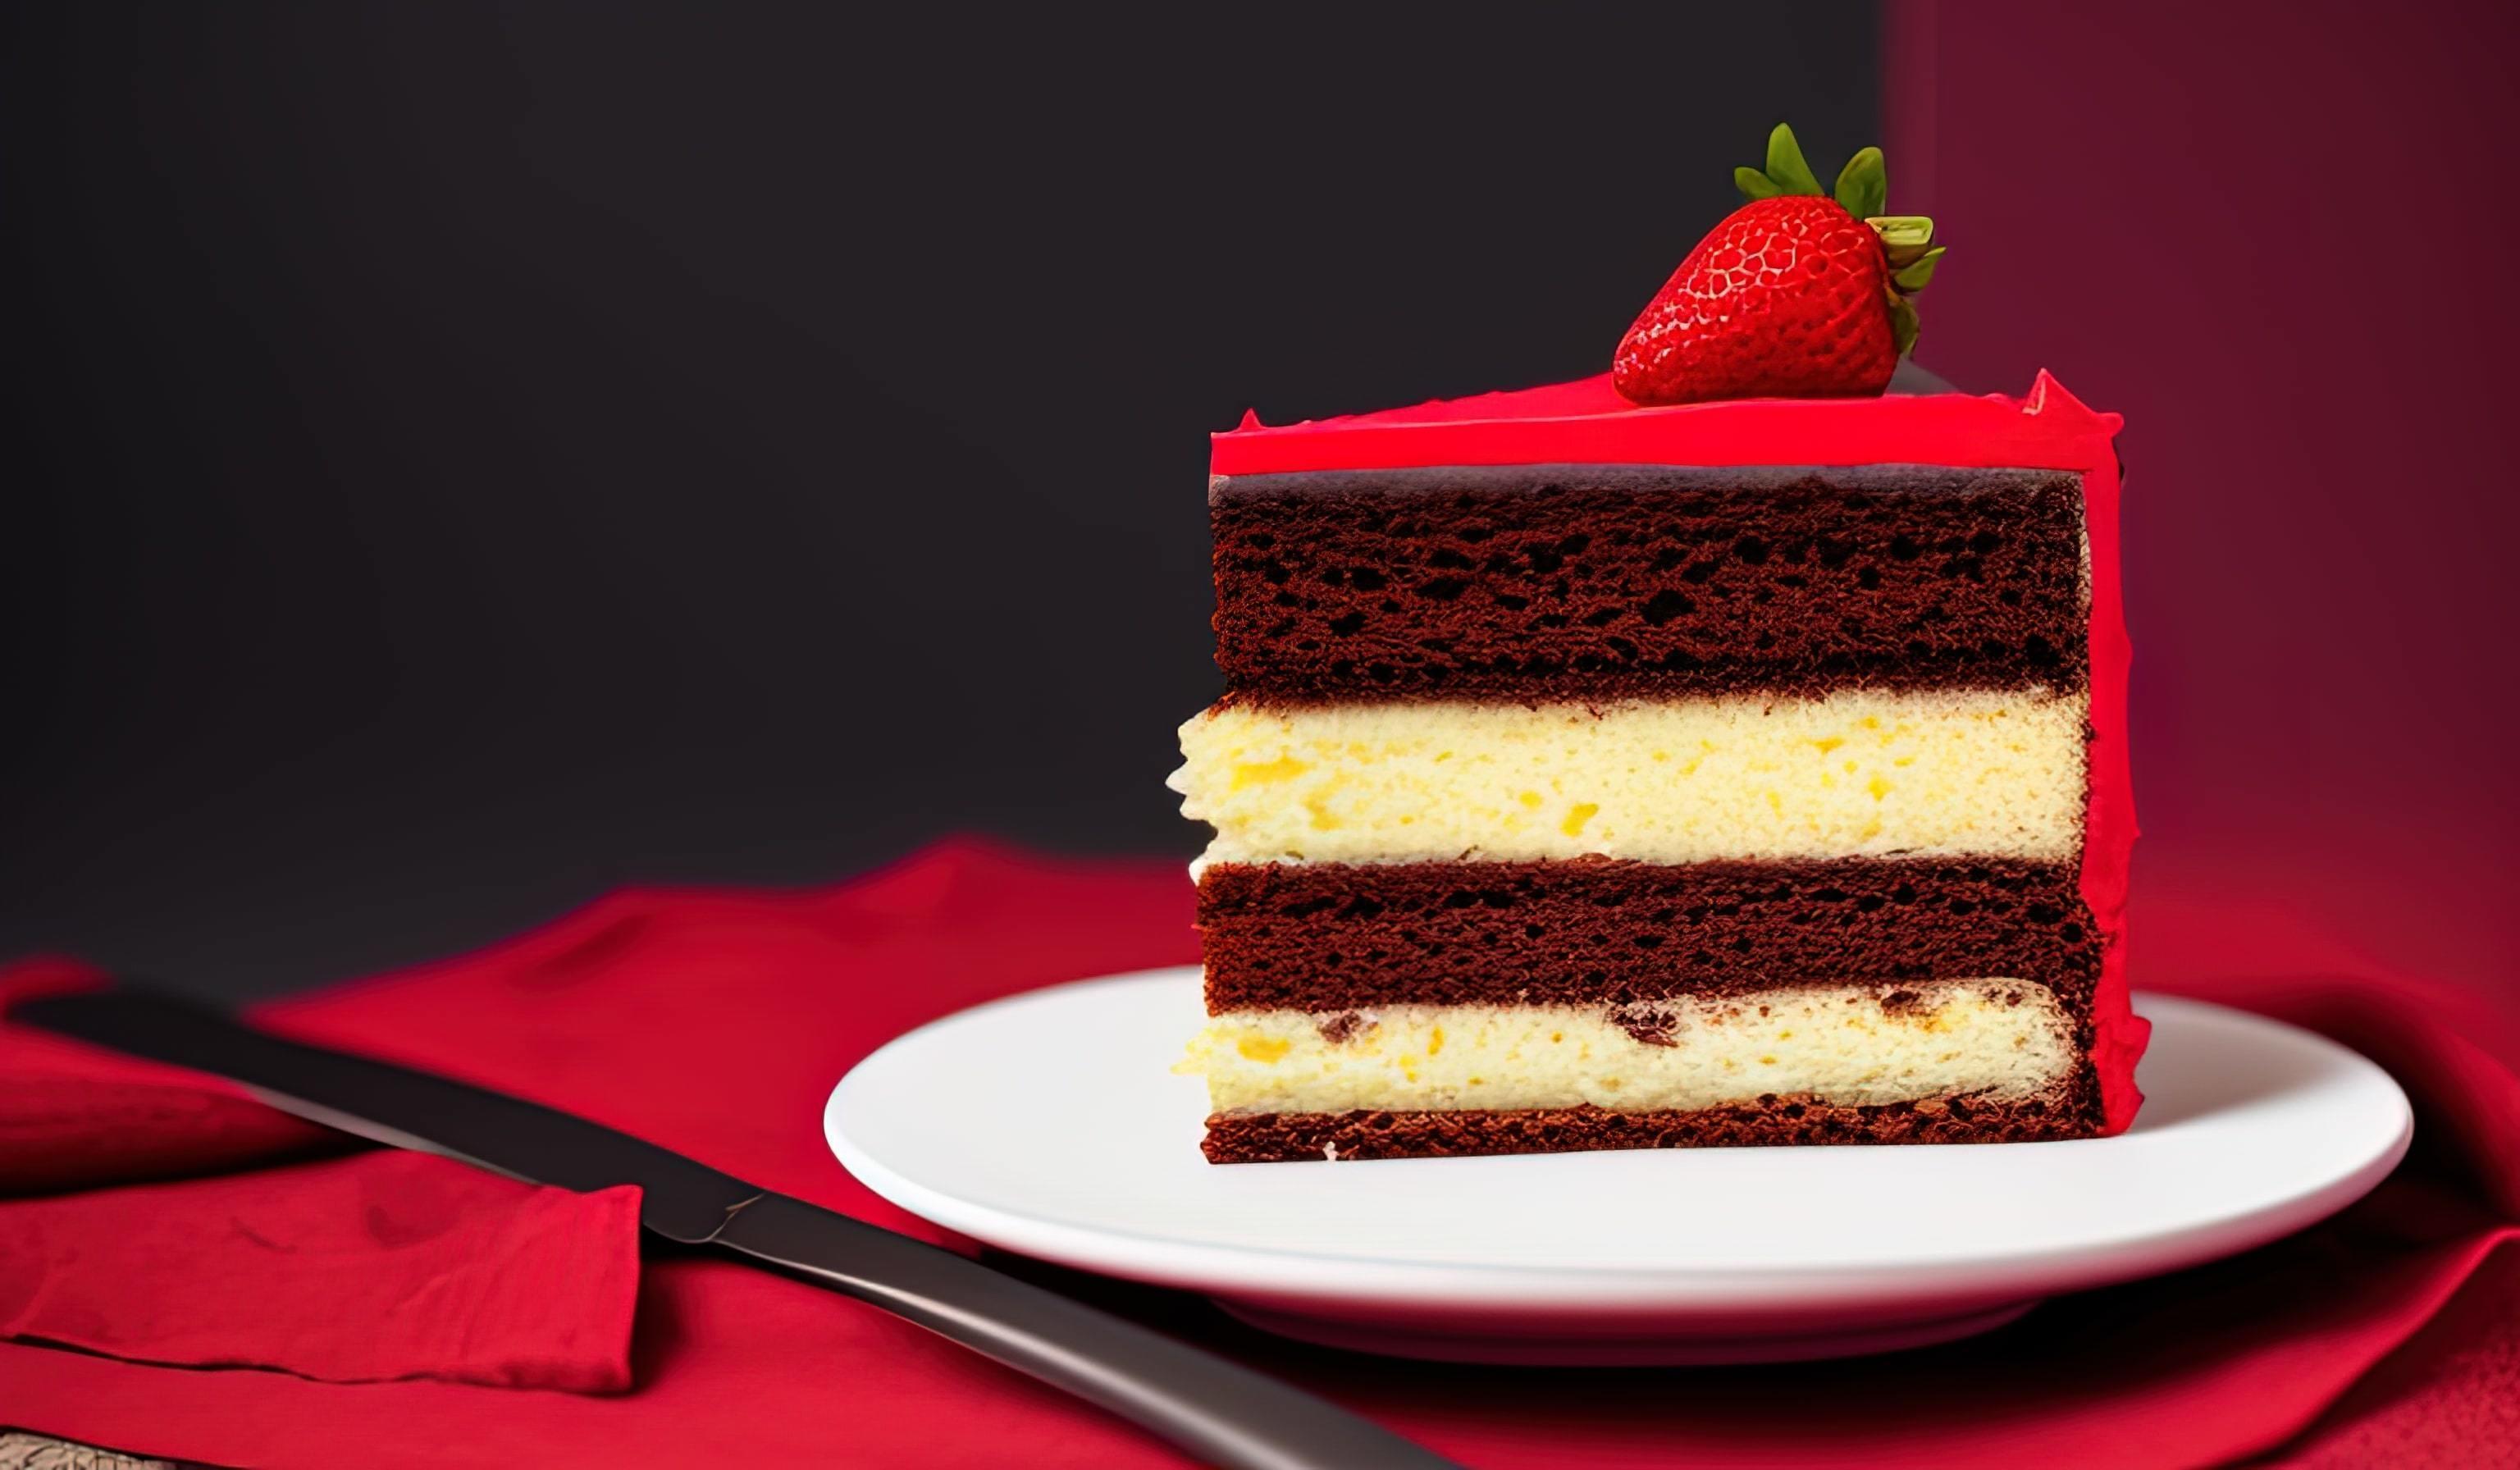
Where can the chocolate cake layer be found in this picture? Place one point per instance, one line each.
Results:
(1273, 1138)
(1578, 580)
(1335, 937)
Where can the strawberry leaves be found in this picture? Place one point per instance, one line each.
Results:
(1786, 172)
(1917, 274)
(1864, 185)
(1907, 248)
(1786, 165)
(1755, 185)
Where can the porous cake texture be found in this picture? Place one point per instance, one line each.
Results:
(1305, 936)
(1592, 777)
(1925, 771)
(1851, 1045)
(1623, 579)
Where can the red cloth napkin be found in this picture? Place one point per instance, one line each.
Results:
(380, 1266)
(714, 1023)
(383, 1265)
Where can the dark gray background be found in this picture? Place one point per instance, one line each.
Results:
(467, 458)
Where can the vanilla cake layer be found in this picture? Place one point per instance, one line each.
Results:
(1989, 1041)
(1854, 773)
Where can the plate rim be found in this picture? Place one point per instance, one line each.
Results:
(1293, 1274)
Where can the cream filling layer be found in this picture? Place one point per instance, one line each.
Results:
(1995, 772)
(1845, 1045)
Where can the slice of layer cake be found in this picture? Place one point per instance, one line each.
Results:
(1595, 776)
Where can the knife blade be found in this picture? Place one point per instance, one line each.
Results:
(1217, 1411)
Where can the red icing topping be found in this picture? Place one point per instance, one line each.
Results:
(1589, 422)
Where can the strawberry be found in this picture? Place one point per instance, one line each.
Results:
(1796, 294)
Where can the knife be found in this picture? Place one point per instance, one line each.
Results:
(1219, 1411)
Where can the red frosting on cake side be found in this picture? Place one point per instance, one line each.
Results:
(2108, 816)
(1587, 423)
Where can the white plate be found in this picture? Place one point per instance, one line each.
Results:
(1051, 1124)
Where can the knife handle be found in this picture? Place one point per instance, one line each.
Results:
(1219, 1411)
